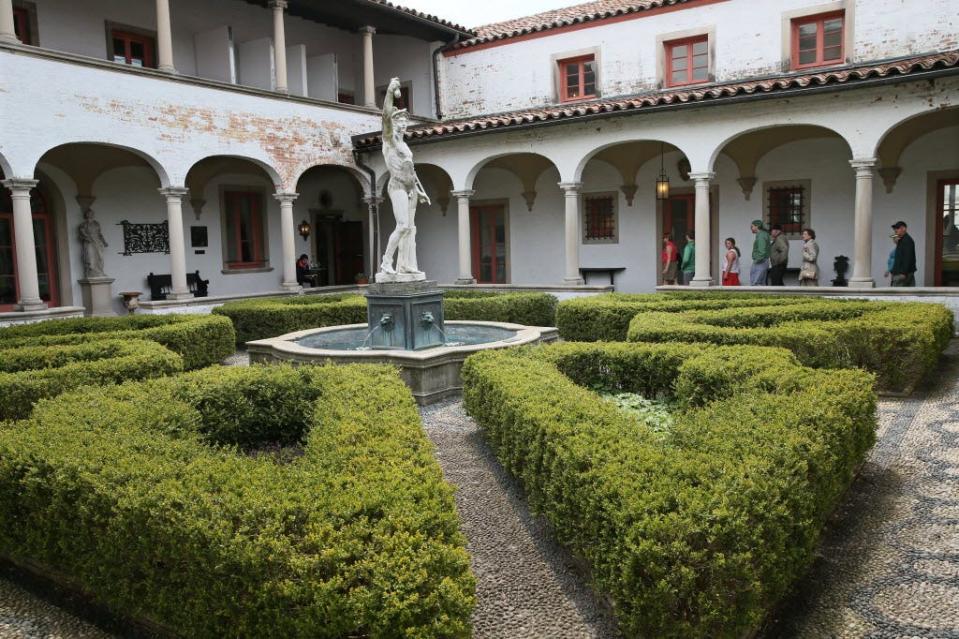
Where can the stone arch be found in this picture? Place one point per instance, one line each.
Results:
(796, 130)
(897, 138)
(6, 169)
(265, 168)
(361, 178)
(610, 146)
(522, 163)
(90, 169)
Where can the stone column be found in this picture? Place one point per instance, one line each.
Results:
(279, 45)
(369, 82)
(373, 205)
(287, 231)
(26, 244)
(862, 257)
(704, 240)
(8, 32)
(571, 191)
(164, 37)
(174, 212)
(464, 236)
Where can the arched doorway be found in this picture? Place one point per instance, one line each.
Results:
(44, 238)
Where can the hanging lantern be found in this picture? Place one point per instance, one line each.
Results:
(305, 229)
(662, 182)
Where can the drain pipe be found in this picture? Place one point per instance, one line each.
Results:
(374, 213)
(436, 76)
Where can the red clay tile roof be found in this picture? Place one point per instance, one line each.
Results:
(585, 12)
(422, 15)
(706, 93)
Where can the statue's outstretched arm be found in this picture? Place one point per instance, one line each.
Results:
(389, 108)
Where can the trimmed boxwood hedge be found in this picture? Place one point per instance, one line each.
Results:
(30, 373)
(154, 497)
(699, 532)
(270, 317)
(201, 340)
(899, 342)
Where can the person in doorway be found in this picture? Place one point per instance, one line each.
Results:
(809, 273)
(778, 256)
(731, 263)
(891, 260)
(904, 264)
(670, 260)
(761, 244)
(688, 265)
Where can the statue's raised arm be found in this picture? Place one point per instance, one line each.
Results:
(389, 107)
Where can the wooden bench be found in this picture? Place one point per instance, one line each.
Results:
(162, 285)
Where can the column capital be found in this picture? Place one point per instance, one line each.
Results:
(20, 184)
(367, 29)
(174, 192)
(571, 188)
(703, 176)
(279, 4)
(373, 200)
(467, 193)
(285, 196)
(863, 165)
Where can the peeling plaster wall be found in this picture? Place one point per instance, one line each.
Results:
(747, 41)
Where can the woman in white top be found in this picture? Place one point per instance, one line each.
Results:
(809, 273)
(731, 263)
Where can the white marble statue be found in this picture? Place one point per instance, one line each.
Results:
(405, 191)
(92, 244)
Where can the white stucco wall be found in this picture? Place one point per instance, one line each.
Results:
(747, 39)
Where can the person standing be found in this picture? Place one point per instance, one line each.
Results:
(809, 273)
(760, 267)
(670, 260)
(778, 256)
(904, 264)
(731, 263)
(688, 265)
(891, 260)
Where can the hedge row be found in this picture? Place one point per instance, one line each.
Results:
(201, 340)
(155, 497)
(270, 317)
(697, 533)
(605, 318)
(899, 342)
(31, 373)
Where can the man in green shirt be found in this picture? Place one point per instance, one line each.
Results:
(688, 264)
(761, 245)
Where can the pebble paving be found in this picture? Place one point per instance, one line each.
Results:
(888, 566)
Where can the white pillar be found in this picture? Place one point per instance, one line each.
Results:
(704, 240)
(279, 45)
(289, 240)
(373, 205)
(369, 85)
(571, 191)
(8, 32)
(465, 237)
(164, 38)
(862, 257)
(29, 298)
(174, 213)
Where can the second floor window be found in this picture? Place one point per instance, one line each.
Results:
(134, 49)
(687, 61)
(817, 40)
(244, 229)
(577, 78)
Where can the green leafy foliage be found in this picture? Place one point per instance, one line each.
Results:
(143, 495)
(201, 340)
(270, 317)
(657, 415)
(31, 373)
(700, 533)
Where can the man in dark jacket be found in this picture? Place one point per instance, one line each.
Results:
(904, 263)
(778, 256)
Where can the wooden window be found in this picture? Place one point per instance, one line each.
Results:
(787, 206)
(599, 219)
(817, 40)
(687, 61)
(44, 244)
(244, 229)
(135, 49)
(403, 102)
(577, 78)
(21, 25)
(345, 97)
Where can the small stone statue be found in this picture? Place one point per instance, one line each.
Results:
(405, 191)
(92, 244)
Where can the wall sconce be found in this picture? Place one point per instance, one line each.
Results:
(304, 229)
(662, 182)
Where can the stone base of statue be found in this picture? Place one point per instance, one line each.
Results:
(405, 315)
(382, 277)
(97, 296)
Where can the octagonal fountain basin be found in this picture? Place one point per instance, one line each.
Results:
(432, 374)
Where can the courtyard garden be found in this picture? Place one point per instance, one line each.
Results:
(685, 453)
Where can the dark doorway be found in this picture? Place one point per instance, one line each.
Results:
(679, 216)
(947, 233)
(488, 230)
(44, 241)
(338, 250)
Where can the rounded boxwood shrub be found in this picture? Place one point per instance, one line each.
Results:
(899, 342)
(270, 317)
(201, 340)
(180, 501)
(698, 532)
(31, 373)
